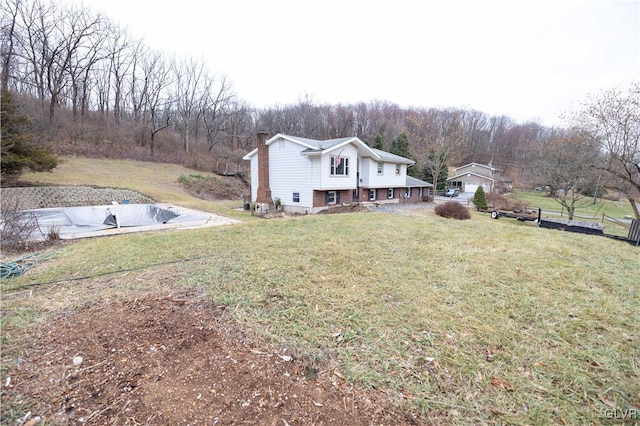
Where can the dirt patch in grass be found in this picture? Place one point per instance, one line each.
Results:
(214, 187)
(175, 359)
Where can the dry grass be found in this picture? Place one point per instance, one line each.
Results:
(157, 180)
(466, 322)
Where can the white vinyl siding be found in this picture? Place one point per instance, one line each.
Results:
(289, 172)
(254, 177)
(329, 182)
(388, 179)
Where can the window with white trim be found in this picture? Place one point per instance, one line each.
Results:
(339, 165)
(390, 193)
(296, 197)
(372, 195)
(397, 169)
(332, 197)
(420, 192)
(408, 192)
(380, 168)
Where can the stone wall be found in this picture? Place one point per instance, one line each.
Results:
(39, 197)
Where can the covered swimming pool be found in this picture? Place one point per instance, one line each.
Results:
(92, 221)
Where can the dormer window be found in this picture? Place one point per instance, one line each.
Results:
(339, 165)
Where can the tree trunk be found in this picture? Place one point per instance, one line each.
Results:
(52, 114)
(186, 140)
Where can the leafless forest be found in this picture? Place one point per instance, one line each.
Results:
(92, 89)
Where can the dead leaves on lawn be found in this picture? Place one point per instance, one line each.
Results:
(501, 384)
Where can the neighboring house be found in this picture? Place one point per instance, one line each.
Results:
(470, 176)
(309, 176)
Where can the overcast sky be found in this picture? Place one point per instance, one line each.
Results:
(530, 60)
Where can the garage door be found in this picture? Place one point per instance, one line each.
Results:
(470, 187)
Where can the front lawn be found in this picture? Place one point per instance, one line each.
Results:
(468, 322)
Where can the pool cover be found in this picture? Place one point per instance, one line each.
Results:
(73, 222)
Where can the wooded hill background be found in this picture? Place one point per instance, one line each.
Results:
(92, 89)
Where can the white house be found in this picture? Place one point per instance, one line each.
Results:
(309, 176)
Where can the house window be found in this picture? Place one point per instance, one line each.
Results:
(420, 192)
(390, 193)
(397, 169)
(408, 192)
(332, 197)
(372, 195)
(296, 197)
(380, 168)
(339, 166)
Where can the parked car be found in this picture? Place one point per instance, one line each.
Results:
(452, 192)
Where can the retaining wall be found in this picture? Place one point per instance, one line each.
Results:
(39, 197)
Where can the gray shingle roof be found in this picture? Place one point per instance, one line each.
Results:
(316, 146)
(392, 157)
(414, 183)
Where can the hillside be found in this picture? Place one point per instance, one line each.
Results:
(167, 183)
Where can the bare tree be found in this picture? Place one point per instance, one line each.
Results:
(240, 126)
(613, 120)
(8, 21)
(565, 165)
(157, 102)
(435, 134)
(138, 82)
(189, 95)
(33, 38)
(51, 43)
(83, 59)
(216, 107)
(120, 62)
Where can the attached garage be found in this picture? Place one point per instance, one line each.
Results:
(470, 187)
(469, 182)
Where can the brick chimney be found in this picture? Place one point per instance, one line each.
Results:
(264, 191)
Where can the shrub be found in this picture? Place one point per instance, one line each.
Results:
(497, 201)
(185, 181)
(480, 199)
(16, 225)
(517, 206)
(453, 210)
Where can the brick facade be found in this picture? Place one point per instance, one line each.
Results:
(320, 197)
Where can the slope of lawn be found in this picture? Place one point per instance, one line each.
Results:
(468, 322)
(478, 321)
(157, 180)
